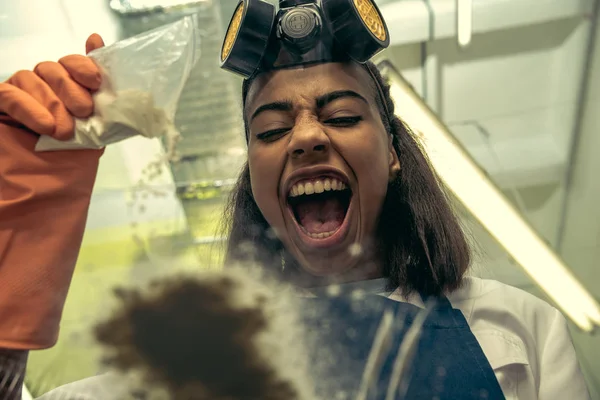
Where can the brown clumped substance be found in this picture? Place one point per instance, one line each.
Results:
(188, 338)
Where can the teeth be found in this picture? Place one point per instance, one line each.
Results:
(321, 235)
(309, 188)
(316, 186)
(319, 187)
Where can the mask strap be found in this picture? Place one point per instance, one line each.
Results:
(381, 95)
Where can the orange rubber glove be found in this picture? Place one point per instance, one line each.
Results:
(44, 196)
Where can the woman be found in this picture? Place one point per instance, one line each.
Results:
(336, 190)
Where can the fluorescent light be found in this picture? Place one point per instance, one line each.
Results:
(495, 213)
(25, 394)
(136, 6)
(464, 21)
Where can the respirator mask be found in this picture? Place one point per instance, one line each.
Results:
(263, 38)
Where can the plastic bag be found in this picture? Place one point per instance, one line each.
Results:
(143, 78)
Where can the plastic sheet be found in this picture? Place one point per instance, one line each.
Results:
(143, 78)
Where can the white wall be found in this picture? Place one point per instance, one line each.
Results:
(581, 240)
(511, 99)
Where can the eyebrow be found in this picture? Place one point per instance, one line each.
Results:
(322, 101)
(325, 99)
(275, 106)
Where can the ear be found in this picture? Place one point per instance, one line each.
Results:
(394, 161)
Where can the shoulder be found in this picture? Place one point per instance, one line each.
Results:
(489, 303)
(520, 333)
(506, 320)
(497, 312)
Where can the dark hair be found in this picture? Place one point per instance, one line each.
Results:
(424, 248)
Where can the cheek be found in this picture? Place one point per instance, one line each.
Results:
(371, 159)
(264, 178)
(371, 167)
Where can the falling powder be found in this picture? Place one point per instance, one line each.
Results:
(120, 115)
(231, 334)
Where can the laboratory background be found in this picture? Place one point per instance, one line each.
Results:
(506, 91)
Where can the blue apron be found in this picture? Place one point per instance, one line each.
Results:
(448, 362)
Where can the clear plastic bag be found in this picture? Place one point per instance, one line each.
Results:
(142, 80)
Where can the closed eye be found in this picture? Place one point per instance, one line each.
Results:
(272, 134)
(344, 121)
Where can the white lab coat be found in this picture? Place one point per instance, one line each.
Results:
(525, 339)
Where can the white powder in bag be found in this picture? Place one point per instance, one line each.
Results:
(118, 116)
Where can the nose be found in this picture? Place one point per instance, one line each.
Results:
(308, 138)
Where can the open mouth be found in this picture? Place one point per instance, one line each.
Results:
(320, 206)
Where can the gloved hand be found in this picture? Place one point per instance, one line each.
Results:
(44, 196)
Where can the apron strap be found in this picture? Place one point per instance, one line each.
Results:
(442, 302)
